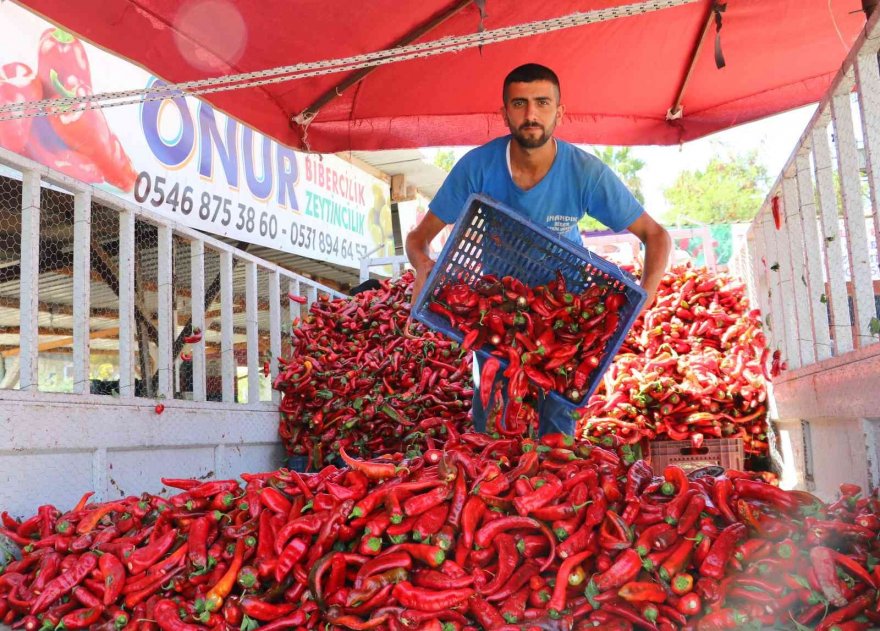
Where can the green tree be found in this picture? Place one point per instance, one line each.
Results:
(445, 159)
(730, 189)
(626, 166)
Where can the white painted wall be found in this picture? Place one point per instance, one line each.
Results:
(54, 448)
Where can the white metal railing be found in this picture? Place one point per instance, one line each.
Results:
(821, 264)
(34, 178)
(397, 264)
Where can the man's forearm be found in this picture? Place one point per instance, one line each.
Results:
(657, 248)
(417, 251)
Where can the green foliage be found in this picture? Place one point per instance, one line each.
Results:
(445, 159)
(626, 167)
(729, 190)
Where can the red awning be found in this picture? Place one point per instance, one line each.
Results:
(619, 77)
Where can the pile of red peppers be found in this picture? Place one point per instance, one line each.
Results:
(362, 377)
(550, 336)
(693, 366)
(484, 534)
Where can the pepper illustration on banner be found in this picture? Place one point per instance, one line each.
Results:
(18, 84)
(75, 141)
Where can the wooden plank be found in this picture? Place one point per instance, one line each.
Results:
(126, 303)
(275, 328)
(66, 342)
(226, 350)
(815, 280)
(30, 280)
(830, 242)
(197, 287)
(82, 285)
(253, 333)
(398, 188)
(797, 265)
(854, 215)
(164, 359)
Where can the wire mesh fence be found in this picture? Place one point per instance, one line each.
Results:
(99, 297)
(104, 300)
(10, 281)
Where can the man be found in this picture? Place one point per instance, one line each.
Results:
(548, 181)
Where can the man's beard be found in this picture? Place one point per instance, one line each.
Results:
(531, 142)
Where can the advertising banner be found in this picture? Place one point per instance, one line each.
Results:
(182, 158)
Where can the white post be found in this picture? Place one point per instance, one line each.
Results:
(778, 321)
(830, 242)
(253, 333)
(868, 77)
(806, 337)
(127, 222)
(164, 360)
(759, 273)
(815, 281)
(786, 287)
(295, 307)
(82, 284)
(29, 332)
(197, 289)
(708, 250)
(227, 351)
(313, 295)
(854, 214)
(274, 328)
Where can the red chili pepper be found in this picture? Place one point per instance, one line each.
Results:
(637, 592)
(433, 556)
(846, 612)
(826, 573)
(624, 569)
(264, 611)
(214, 597)
(427, 599)
(721, 551)
(142, 558)
(61, 585)
(690, 604)
(166, 614)
(373, 470)
(159, 408)
(114, 577)
(81, 618)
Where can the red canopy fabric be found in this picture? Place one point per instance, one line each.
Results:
(618, 78)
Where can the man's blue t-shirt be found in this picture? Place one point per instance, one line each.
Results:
(576, 184)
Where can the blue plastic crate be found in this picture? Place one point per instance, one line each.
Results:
(490, 238)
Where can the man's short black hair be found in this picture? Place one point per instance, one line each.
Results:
(531, 72)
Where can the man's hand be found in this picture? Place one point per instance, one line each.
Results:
(422, 273)
(658, 245)
(418, 243)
